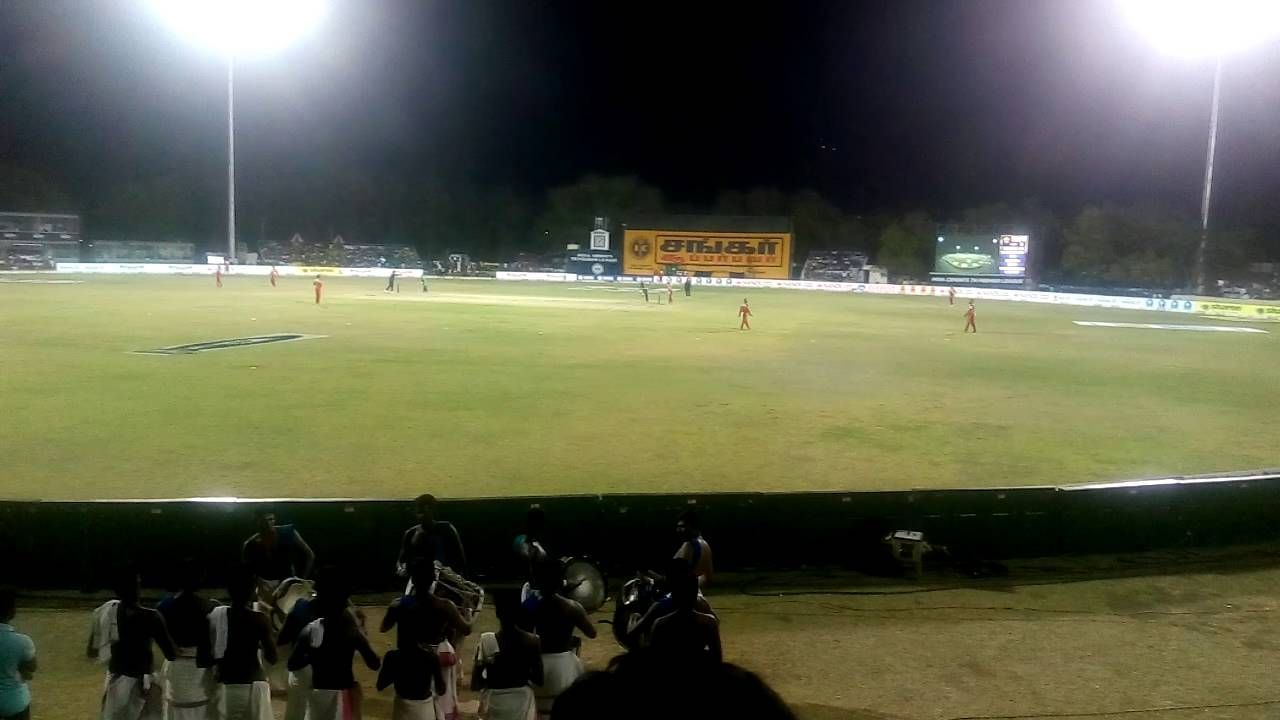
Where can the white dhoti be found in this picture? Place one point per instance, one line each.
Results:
(559, 671)
(189, 691)
(510, 704)
(251, 701)
(447, 699)
(405, 709)
(334, 705)
(131, 698)
(299, 694)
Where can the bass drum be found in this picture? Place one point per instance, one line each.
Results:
(585, 582)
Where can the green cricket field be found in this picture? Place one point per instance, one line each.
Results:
(485, 388)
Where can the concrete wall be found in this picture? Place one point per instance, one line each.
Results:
(74, 545)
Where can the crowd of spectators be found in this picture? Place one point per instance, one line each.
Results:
(834, 266)
(338, 254)
(221, 658)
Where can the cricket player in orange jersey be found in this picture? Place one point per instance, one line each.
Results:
(745, 312)
(275, 275)
(217, 276)
(319, 286)
(951, 296)
(971, 318)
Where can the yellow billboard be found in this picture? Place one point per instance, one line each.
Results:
(713, 254)
(1239, 310)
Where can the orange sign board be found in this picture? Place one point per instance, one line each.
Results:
(763, 255)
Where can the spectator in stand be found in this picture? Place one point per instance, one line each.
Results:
(122, 635)
(188, 682)
(642, 685)
(328, 645)
(17, 661)
(555, 617)
(240, 636)
(507, 662)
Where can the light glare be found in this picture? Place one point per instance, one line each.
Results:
(1199, 28)
(240, 27)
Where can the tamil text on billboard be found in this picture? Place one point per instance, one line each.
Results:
(714, 254)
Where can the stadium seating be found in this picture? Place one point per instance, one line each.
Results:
(834, 265)
(338, 254)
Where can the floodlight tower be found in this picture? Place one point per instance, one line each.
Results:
(239, 29)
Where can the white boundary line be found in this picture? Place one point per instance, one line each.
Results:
(1165, 326)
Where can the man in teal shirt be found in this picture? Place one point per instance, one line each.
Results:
(17, 662)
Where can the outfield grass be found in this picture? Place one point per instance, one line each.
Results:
(486, 388)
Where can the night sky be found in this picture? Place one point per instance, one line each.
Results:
(889, 105)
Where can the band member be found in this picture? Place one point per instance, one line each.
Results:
(507, 662)
(328, 645)
(188, 682)
(555, 617)
(240, 636)
(693, 549)
(122, 636)
(431, 541)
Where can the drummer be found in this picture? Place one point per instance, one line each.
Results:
(276, 552)
(554, 618)
(430, 541)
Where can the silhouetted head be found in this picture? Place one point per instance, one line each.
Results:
(241, 587)
(264, 519)
(549, 577)
(425, 507)
(535, 521)
(506, 603)
(688, 526)
(126, 584)
(190, 575)
(423, 574)
(706, 689)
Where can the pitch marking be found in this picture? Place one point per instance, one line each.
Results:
(226, 344)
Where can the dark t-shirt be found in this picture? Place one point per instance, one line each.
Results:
(412, 671)
(300, 616)
(186, 616)
(276, 562)
(132, 654)
(439, 543)
(246, 633)
(517, 663)
(331, 662)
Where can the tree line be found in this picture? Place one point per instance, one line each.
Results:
(1142, 245)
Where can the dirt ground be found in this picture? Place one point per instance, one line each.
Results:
(1177, 638)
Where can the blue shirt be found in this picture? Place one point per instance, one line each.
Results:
(15, 649)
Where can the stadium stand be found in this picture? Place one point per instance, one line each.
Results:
(834, 266)
(36, 241)
(338, 253)
(139, 251)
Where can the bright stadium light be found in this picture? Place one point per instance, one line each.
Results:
(239, 29)
(1205, 28)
